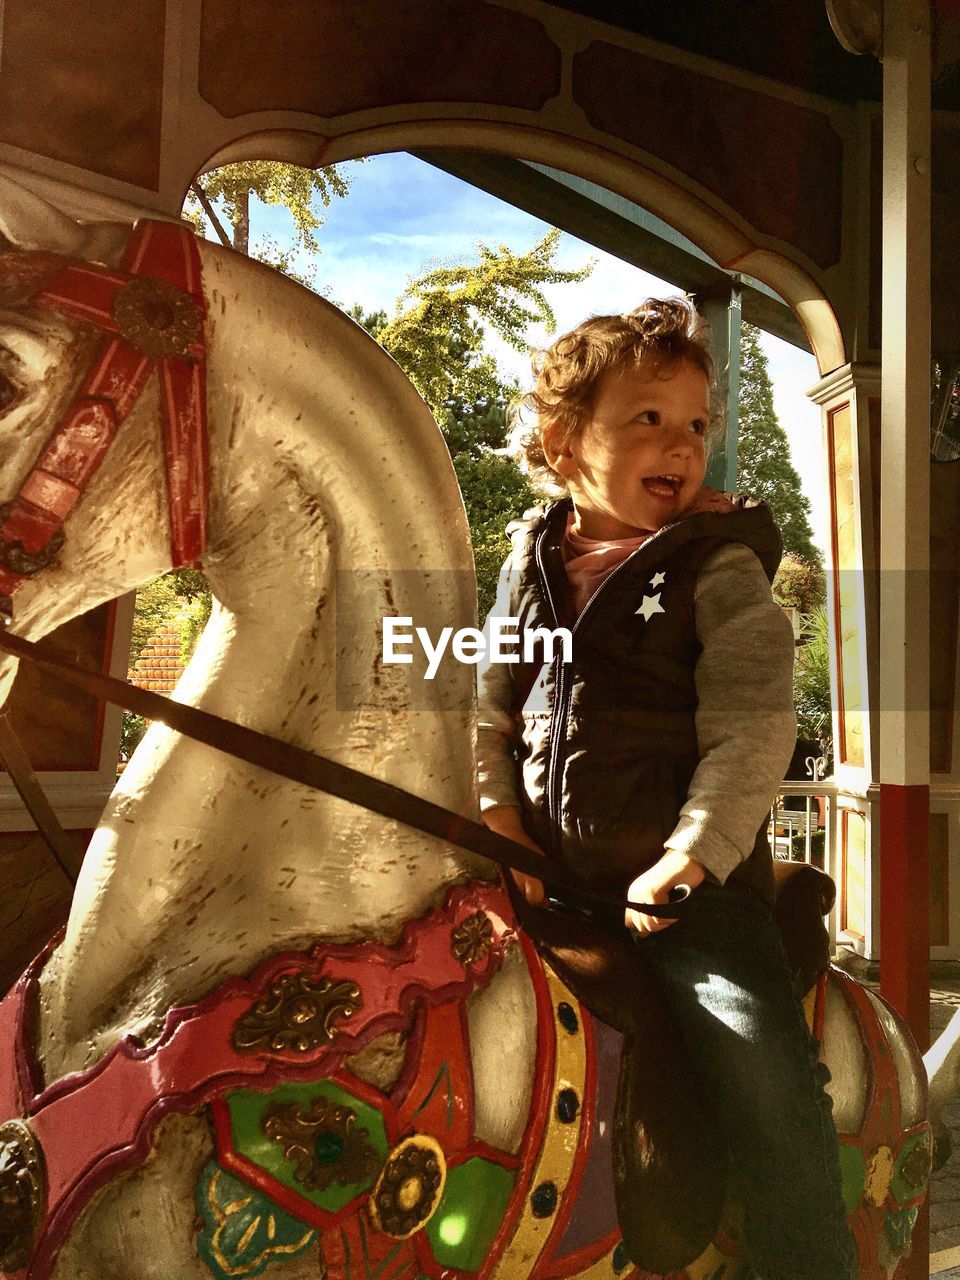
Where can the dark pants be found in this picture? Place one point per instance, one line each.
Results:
(723, 972)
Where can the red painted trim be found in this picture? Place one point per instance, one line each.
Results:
(571, 1264)
(905, 904)
(476, 1148)
(880, 1126)
(396, 1126)
(466, 1067)
(408, 1072)
(916, 1266)
(444, 1111)
(883, 1082)
(183, 394)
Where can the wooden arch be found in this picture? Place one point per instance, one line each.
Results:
(133, 105)
(674, 198)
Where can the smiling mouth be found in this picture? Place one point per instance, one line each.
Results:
(663, 486)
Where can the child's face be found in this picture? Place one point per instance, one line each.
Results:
(640, 459)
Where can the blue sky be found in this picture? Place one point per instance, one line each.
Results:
(403, 215)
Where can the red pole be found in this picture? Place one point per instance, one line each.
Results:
(904, 905)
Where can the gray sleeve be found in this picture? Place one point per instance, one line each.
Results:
(746, 725)
(496, 726)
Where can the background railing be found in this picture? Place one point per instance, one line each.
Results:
(803, 824)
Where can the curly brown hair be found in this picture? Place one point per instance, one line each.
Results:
(661, 331)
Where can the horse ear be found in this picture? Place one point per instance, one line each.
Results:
(28, 221)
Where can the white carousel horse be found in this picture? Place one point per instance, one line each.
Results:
(327, 474)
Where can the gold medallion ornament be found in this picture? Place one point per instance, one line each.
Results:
(156, 317)
(472, 938)
(409, 1188)
(21, 1193)
(296, 1015)
(324, 1142)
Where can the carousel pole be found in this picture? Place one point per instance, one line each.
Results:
(905, 515)
(904, 693)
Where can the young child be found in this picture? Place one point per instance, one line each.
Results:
(651, 760)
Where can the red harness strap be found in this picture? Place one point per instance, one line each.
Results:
(152, 314)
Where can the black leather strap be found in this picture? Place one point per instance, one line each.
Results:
(323, 774)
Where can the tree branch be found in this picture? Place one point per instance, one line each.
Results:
(211, 213)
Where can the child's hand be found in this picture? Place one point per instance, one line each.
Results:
(655, 885)
(504, 819)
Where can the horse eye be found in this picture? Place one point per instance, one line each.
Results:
(8, 393)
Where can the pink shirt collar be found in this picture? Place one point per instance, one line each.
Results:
(589, 561)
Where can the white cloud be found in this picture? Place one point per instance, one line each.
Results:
(416, 239)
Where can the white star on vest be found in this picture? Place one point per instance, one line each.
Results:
(658, 579)
(650, 606)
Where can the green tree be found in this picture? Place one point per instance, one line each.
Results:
(437, 331)
(157, 604)
(763, 456)
(179, 599)
(437, 336)
(811, 679)
(273, 182)
(800, 584)
(468, 425)
(494, 491)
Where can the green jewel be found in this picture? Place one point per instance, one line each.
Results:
(328, 1148)
(470, 1213)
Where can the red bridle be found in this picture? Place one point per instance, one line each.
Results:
(151, 312)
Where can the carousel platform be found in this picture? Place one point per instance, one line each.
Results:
(945, 1184)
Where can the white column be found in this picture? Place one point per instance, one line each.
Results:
(904, 737)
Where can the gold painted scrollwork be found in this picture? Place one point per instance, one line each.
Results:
(21, 1193)
(297, 1014)
(324, 1141)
